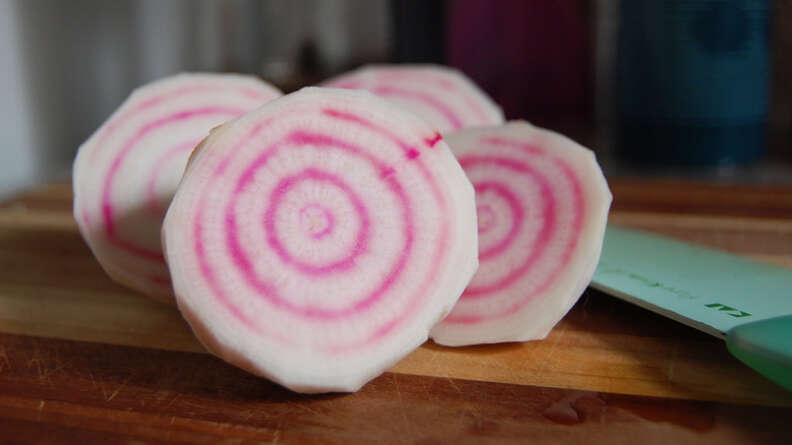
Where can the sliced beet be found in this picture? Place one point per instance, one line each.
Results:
(126, 173)
(542, 205)
(317, 239)
(442, 96)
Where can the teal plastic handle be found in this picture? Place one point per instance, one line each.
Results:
(765, 346)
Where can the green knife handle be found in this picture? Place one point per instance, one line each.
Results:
(765, 346)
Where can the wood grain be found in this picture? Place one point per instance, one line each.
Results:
(677, 197)
(94, 392)
(96, 362)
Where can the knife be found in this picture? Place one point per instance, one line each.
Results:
(745, 302)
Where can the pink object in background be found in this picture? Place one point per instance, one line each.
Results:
(531, 56)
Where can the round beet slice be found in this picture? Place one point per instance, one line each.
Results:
(126, 173)
(317, 239)
(542, 205)
(442, 96)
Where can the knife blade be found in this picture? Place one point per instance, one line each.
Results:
(745, 302)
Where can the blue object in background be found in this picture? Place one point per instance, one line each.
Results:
(691, 81)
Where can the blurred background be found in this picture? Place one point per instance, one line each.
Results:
(694, 88)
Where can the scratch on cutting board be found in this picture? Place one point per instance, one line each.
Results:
(562, 330)
(276, 437)
(475, 414)
(112, 395)
(39, 410)
(93, 381)
(454, 385)
(466, 407)
(433, 356)
(305, 408)
(403, 410)
(59, 364)
(4, 362)
(43, 373)
(172, 400)
(162, 394)
(250, 415)
(115, 393)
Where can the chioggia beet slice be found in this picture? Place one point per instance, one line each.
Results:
(317, 239)
(542, 204)
(126, 173)
(442, 96)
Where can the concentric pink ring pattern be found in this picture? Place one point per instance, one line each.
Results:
(155, 110)
(108, 212)
(243, 256)
(440, 95)
(546, 211)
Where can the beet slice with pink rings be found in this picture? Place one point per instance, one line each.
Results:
(542, 205)
(442, 96)
(317, 239)
(126, 173)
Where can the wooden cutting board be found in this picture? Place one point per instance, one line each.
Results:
(51, 290)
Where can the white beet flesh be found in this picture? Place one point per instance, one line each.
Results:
(442, 96)
(542, 205)
(126, 173)
(317, 239)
